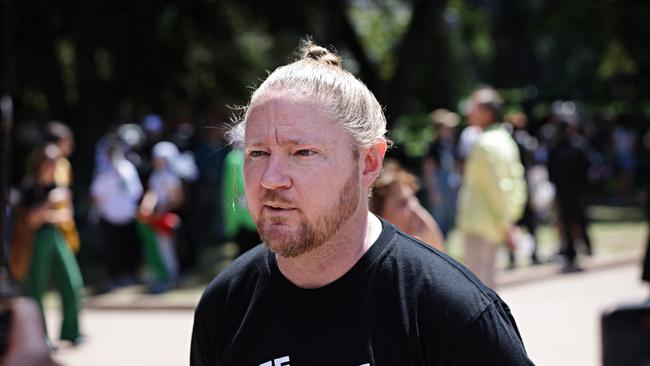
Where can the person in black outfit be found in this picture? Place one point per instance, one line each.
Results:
(517, 123)
(333, 284)
(440, 170)
(645, 275)
(568, 165)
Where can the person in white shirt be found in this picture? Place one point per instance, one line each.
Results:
(116, 192)
(164, 195)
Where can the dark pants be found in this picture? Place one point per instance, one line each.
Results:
(646, 263)
(529, 221)
(573, 217)
(645, 275)
(122, 249)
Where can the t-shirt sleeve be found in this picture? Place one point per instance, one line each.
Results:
(202, 347)
(491, 339)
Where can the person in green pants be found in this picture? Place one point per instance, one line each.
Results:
(152, 255)
(52, 257)
(45, 206)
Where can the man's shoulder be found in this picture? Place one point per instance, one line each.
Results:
(451, 305)
(437, 276)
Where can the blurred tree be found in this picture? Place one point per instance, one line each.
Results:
(90, 63)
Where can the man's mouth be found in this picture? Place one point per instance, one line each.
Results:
(278, 208)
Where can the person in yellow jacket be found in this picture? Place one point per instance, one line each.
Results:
(493, 193)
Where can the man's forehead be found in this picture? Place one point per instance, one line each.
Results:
(252, 140)
(289, 135)
(287, 106)
(291, 118)
(280, 96)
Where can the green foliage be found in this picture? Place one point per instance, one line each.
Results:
(475, 28)
(34, 100)
(540, 111)
(616, 61)
(86, 60)
(66, 54)
(413, 132)
(381, 25)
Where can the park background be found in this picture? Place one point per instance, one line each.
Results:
(93, 64)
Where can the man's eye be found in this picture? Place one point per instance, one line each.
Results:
(256, 153)
(305, 152)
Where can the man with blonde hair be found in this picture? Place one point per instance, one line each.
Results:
(333, 284)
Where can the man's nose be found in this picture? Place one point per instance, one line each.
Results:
(276, 174)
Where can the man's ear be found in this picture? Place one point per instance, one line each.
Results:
(373, 160)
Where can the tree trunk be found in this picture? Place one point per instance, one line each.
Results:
(425, 15)
(48, 63)
(344, 33)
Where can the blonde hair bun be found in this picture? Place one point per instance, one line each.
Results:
(311, 51)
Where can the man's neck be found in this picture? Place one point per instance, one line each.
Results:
(334, 258)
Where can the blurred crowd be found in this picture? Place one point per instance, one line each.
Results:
(163, 193)
(496, 177)
(156, 196)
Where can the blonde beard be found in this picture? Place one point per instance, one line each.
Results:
(310, 236)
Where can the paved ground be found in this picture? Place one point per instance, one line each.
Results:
(128, 337)
(560, 318)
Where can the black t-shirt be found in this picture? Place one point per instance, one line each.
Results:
(403, 303)
(568, 168)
